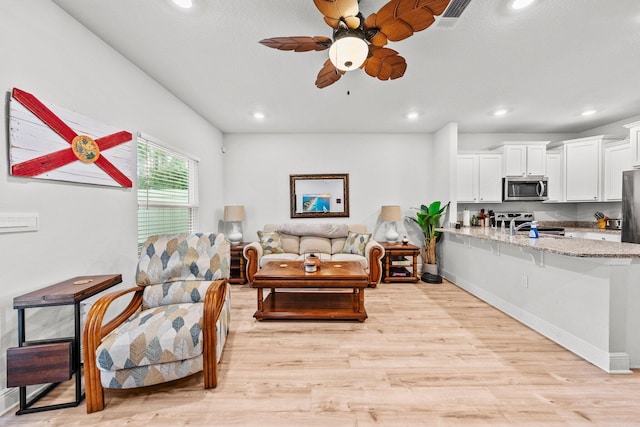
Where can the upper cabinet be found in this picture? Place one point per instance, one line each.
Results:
(555, 176)
(523, 158)
(634, 140)
(479, 178)
(617, 159)
(582, 168)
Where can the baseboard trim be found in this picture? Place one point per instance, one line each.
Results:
(9, 400)
(613, 363)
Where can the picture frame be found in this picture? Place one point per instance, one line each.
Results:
(319, 195)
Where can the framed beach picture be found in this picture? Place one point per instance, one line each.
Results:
(319, 195)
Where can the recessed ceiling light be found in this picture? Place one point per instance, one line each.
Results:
(521, 4)
(258, 115)
(500, 112)
(185, 4)
(413, 115)
(588, 112)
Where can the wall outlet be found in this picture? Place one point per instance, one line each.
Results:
(524, 281)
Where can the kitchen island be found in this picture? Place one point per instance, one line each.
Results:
(583, 294)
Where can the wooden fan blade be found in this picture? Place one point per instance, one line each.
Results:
(385, 63)
(372, 32)
(399, 19)
(328, 75)
(333, 10)
(298, 44)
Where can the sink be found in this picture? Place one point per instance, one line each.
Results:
(593, 235)
(547, 230)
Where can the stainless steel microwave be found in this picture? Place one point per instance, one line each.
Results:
(530, 188)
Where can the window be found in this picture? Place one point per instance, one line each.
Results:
(167, 190)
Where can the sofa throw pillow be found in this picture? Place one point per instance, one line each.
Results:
(270, 242)
(355, 243)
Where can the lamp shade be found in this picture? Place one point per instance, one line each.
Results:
(234, 213)
(348, 53)
(391, 213)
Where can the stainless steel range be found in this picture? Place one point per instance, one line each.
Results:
(506, 217)
(522, 217)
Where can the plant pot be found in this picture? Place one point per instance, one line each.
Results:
(430, 273)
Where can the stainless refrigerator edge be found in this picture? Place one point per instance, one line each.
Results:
(631, 206)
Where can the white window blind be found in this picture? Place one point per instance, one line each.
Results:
(167, 190)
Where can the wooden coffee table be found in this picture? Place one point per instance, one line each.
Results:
(332, 301)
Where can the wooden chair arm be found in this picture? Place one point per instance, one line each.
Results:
(213, 303)
(94, 332)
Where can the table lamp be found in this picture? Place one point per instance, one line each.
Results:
(391, 214)
(234, 215)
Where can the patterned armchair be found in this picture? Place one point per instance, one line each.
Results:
(175, 325)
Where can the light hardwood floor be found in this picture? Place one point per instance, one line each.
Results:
(428, 355)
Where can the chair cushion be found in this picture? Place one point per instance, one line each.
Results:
(270, 242)
(158, 335)
(174, 293)
(355, 243)
(183, 256)
(139, 376)
(142, 376)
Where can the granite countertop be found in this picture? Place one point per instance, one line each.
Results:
(571, 246)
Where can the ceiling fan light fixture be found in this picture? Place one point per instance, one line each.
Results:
(348, 52)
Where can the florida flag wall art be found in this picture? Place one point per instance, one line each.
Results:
(49, 142)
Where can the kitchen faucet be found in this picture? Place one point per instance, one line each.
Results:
(513, 228)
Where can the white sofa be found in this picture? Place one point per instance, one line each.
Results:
(326, 240)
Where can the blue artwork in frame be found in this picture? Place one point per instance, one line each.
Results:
(316, 203)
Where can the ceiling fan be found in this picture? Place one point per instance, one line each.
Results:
(358, 42)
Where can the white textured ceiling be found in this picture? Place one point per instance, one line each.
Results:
(545, 64)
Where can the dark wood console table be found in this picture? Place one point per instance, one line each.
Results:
(54, 360)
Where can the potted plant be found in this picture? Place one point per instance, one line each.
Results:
(428, 219)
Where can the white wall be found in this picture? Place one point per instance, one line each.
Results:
(445, 169)
(387, 169)
(84, 229)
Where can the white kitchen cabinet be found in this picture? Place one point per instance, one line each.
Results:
(467, 178)
(536, 159)
(634, 140)
(479, 178)
(582, 172)
(555, 176)
(617, 159)
(523, 158)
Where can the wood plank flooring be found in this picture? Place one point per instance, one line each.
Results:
(429, 355)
